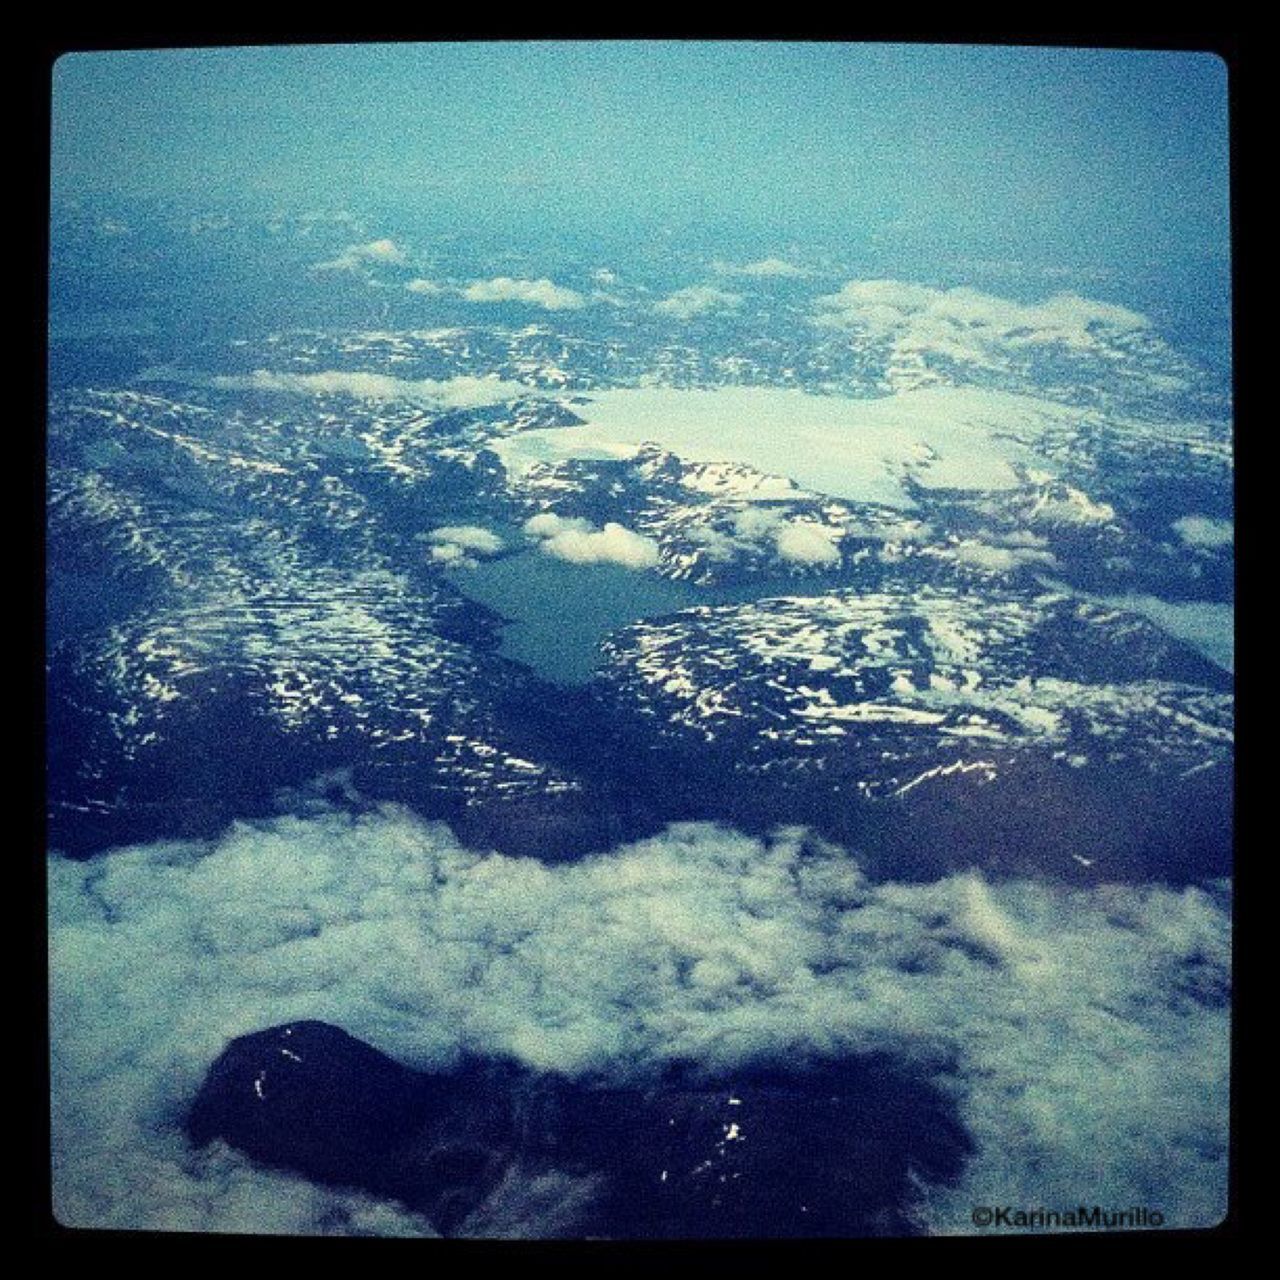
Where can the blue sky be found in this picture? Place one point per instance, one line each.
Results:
(986, 150)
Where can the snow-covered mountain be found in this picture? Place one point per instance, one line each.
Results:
(276, 541)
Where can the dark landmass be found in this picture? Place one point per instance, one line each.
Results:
(824, 1149)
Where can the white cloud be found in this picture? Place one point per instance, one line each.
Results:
(546, 524)
(613, 544)
(580, 542)
(756, 529)
(1068, 506)
(1202, 531)
(459, 544)
(1085, 1031)
(753, 522)
(991, 559)
(451, 554)
(471, 537)
(375, 252)
(697, 300)
(382, 251)
(716, 546)
(803, 542)
(534, 293)
(967, 325)
(463, 392)
(421, 285)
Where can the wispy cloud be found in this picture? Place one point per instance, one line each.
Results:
(373, 253)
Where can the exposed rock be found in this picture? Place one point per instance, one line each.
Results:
(833, 1151)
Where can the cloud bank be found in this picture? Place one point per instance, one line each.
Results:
(1083, 1033)
(580, 542)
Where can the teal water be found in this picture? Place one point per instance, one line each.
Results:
(559, 612)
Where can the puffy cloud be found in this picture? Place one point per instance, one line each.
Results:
(547, 524)
(460, 544)
(451, 554)
(1082, 1032)
(382, 251)
(697, 300)
(470, 537)
(375, 252)
(875, 304)
(614, 544)
(421, 285)
(753, 522)
(968, 325)
(1202, 531)
(534, 293)
(716, 546)
(992, 559)
(803, 542)
(464, 392)
(580, 542)
(756, 528)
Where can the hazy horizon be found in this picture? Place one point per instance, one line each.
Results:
(917, 144)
